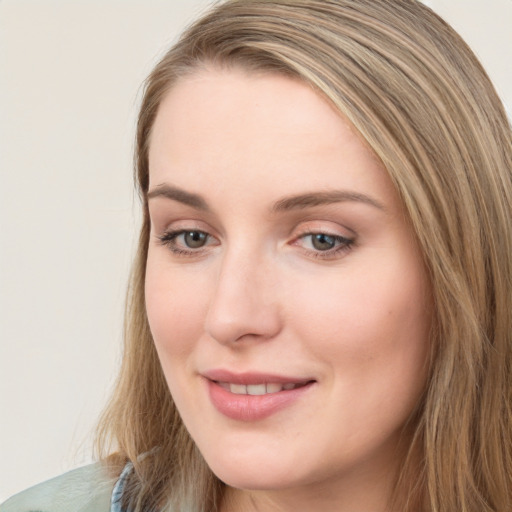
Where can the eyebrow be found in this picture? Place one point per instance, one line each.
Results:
(296, 202)
(309, 200)
(180, 195)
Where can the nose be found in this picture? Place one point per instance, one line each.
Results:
(244, 304)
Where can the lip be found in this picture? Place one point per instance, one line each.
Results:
(253, 407)
(248, 378)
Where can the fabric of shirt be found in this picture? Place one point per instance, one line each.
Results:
(86, 489)
(117, 493)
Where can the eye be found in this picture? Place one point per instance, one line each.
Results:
(194, 239)
(324, 245)
(185, 241)
(322, 241)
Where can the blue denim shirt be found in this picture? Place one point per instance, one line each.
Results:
(117, 492)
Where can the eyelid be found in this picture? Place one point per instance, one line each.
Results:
(344, 242)
(327, 227)
(166, 224)
(170, 238)
(342, 246)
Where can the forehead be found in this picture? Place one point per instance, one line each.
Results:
(212, 102)
(238, 128)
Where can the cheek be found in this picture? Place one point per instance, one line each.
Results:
(176, 305)
(364, 323)
(372, 335)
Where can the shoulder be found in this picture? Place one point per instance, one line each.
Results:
(87, 489)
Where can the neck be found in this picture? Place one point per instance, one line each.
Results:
(346, 495)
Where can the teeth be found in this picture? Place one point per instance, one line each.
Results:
(238, 389)
(257, 389)
(274, 388)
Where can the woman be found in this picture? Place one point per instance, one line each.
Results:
(320, 310)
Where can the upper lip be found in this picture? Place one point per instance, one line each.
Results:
(248, 378)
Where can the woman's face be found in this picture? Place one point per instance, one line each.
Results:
(285, 293)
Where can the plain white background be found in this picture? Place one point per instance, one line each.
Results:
(70, 76)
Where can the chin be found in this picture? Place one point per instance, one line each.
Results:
(255, 475)
(256, 480)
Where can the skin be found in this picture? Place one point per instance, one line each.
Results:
(260, 295)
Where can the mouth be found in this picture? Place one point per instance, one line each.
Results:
(251, 397)
(260, 389)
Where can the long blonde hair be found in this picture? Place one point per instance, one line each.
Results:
(421, 100)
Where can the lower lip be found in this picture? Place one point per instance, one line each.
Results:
(253, 407)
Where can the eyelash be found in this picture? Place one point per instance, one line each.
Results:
(344, 244)
(168, 239)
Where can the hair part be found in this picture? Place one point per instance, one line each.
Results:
(424, 105)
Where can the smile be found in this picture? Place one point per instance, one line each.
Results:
(258, 389)
(254, 396)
